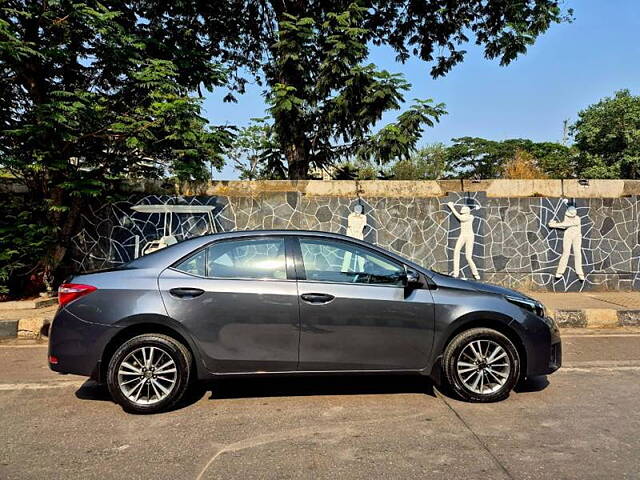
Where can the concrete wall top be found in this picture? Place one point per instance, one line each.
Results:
(499, 188)
(429, 188)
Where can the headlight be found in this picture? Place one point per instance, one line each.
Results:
(532, 305)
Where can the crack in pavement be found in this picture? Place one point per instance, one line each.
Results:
(252, 442)
(482, 444)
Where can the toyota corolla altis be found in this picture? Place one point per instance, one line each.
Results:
(292, 302)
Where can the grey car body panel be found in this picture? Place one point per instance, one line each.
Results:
(261, 326)
(239, 325)
(365, 327)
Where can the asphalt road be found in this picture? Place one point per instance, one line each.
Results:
(582, 422)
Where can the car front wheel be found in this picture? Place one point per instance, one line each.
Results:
(481, 365)
(149, 373)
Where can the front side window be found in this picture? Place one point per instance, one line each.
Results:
(335, 261)
(250, 258)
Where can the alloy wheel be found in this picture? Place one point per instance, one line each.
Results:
(147, 375)
(483, 366)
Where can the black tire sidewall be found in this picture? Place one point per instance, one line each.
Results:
(452, 352)
(174, 349)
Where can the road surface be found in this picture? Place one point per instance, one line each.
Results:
(582, 422)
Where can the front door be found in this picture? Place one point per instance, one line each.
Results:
(355, 312)
(239, 302)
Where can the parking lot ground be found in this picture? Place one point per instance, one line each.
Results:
(582, 422)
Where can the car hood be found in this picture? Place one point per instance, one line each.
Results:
(451, 282)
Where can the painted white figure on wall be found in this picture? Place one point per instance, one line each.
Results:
(356, 223)
(466, 239)
(572, 241)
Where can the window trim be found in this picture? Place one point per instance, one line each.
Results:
(302, 273)
(289, 265)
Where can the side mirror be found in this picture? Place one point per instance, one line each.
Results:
(411, 278)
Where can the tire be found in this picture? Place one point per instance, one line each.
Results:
(149, 373)
(471, 372)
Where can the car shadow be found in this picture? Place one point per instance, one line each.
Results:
(318, 385)
(289, 386)
(532, 384)
(92, 390)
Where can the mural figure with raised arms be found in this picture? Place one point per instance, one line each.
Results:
(466, 239)
(572, 240)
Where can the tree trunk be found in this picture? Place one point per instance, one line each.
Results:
(68, 222)
(298, 161)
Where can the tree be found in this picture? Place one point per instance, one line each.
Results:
(427, 163)
(523, 165)
(256, 153)
(607, 134)
(325, 99)
(328, 100)
(92, 92)
(472, 157)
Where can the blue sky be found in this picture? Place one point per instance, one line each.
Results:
(571, 66)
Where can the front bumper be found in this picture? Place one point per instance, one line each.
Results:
(555, 361)
(77, 344)
(544, 348)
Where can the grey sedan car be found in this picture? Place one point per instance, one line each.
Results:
(292, 302)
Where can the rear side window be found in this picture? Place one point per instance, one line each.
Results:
(247, 258)
(195, 265)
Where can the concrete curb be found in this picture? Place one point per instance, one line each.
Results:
(34, 327)
(8, 329)
(596, 318)
(46, 302)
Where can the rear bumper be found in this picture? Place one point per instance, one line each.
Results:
(77, 344)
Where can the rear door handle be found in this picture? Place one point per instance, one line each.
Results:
(317, 297)
(186, 292)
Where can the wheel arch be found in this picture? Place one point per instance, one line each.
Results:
(494, 320)
(141, 324)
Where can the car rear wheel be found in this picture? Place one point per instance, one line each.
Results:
(149, 373)
(481, 365)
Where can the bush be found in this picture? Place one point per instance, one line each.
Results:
(523, 165)
(24, 242)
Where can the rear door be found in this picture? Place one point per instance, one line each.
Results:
(239, 300)
(355, 312)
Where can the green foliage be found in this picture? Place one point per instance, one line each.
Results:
(256, 154)
(472, 157)
(91, 93)
(607, 134)
(427, 163)
(326, 99)
(331, 100)
(22, 238)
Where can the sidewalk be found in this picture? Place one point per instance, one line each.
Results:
(26, 318)
(592, 309)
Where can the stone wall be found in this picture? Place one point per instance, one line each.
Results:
(513, 243)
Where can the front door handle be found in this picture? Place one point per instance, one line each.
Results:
(186, 292)
(317, 297)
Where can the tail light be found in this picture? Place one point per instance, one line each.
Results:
(68, 292)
